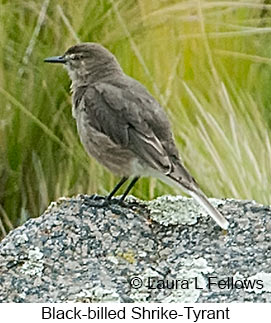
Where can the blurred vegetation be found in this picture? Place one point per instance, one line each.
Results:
(207, 62)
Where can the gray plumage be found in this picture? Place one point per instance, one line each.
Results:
(121, 124)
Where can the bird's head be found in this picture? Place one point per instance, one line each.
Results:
(87, 62)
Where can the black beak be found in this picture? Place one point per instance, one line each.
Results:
(55, 59)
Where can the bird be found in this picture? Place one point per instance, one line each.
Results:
(123, 126)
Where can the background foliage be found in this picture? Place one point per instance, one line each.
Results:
(207, 62)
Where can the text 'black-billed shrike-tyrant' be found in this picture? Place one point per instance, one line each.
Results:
(122, 125)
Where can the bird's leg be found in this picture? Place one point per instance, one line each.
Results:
(108, 198)
(116, 188)
(128, 189)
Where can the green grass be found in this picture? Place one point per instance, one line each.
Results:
(207, 62)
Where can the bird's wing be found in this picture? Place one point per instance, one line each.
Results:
(132, 119)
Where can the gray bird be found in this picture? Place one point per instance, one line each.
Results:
(122, 125)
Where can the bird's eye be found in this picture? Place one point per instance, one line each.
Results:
(75, 57)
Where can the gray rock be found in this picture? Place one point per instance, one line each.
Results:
(166, 250)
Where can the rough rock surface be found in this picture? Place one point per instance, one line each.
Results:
(163, 251)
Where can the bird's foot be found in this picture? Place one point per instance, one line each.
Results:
(103, 201)
(98, 201)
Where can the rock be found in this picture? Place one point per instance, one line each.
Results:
(166, 250)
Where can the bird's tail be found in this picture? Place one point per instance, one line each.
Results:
(187, 183)
(213, 212)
